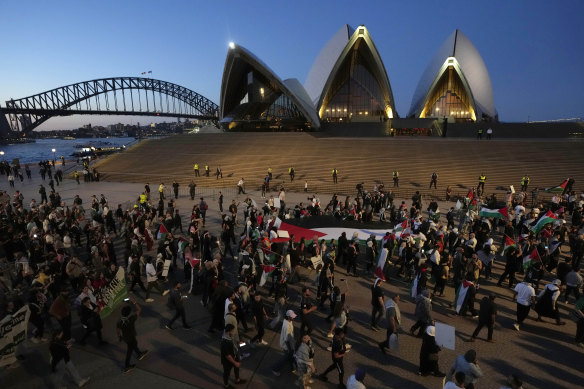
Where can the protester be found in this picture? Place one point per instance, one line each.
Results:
(61, 361)
(230, 358)
(467, 364)
(429, 354)
(126, 330)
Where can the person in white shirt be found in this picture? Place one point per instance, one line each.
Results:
(356, 380)
(525, 297)
(152, 280)
(457, 381)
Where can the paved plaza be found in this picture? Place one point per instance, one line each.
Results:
(543, 354)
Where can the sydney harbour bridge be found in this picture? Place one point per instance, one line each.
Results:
(105, 96)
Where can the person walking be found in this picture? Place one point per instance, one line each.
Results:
(423, 313)
(207, 170)
(176, 301)
(175, 186)
(377, 303)
(240, 186)
(433, 180)
(429, 354)
(196, 170)
(218, 173)
(525, 296)
(91, 321)
(481, 185)
(306, 308)
(203, 207)
(547, 302)
(468, 365)
(61, 310)
(230, 358)
(395, 175)
(335, 175)
(305, 361)
(338, 352)
(61, 361)
(220, 199)
(393, 318)
(287, 343)
(152, 280)
(126, 330)
(192, 187)
(161, 191)
(291, 172)
(487, 316)
(259, 317)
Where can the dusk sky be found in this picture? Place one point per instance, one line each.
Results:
(533, 50)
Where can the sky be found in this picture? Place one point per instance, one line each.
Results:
(533, 50)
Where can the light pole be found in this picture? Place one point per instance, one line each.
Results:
(54, 160)
(2, 154)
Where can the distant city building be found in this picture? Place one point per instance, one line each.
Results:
(455, 84)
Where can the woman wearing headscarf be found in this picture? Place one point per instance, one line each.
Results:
(429, 354)
(547, 302)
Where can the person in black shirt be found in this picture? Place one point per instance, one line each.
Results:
(259, 316)
(91, 321)
(377, 303)
(338, 353)
(230, 357)
(61, 361)
(176, 301)
(135, 274)
(306, 307)
(487, 315)
(126, 330)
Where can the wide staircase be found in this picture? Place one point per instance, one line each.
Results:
(458, 162)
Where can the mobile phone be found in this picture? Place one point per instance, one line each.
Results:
(285, 278)
(241, 344)
(185, 296)
(546, 247)
(127, 299)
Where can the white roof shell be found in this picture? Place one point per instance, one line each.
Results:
(473, 68)
(331, 57)
(290, 87)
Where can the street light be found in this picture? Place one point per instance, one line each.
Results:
(53, 150)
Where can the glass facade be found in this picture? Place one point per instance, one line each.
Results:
(263, 105)
(449, 98)
(355, 93)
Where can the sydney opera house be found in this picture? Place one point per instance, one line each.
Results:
(348, 83)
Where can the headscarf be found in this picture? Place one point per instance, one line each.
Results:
(377, 281)
(431, 330)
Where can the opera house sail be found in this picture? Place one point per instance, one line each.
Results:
(253, 97)
(455, 84)
(348, 81)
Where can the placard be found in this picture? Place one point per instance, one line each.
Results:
(445, 335)
(166, 267)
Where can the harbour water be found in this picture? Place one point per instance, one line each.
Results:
(42, 148)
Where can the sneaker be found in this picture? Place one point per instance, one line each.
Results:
(516, 325)
(168, 327)
(166, 292)
(149, 300)
(329, 335)
(276, 373)
(263, 342)
(129, 368)
(83, 382)
(143, 355)
(329, 348)
(348, 346)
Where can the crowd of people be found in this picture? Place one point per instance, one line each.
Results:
(57, 258)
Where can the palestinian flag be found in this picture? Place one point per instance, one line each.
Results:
(509, 243)
(557, 189)
(529, 259)
(162, 232)
(381, 264)
(267, 271)
(549, 217)
(494, 213)
(182, 245)
(148, 238)
(414, 286)
(461, 295)
(470, 195)
(402, 230)
(554, 245)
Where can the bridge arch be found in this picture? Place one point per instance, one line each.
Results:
(110, 96)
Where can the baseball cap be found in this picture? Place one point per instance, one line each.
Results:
(290, 313)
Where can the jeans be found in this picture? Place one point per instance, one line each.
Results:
(60, 370)
(180, 312)
(288, 357)
(338, 365)
(522, 312)
(227, 372)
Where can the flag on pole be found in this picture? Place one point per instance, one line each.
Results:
(381, 264)
(162, 232)
(461, 295)
(494, 213)
(529, 259)
(414, 286)
(400, 229)
(557, 189)
(267, 271)
(149, 239)
(509, 243)
(182, 244)
(554, 245)
(549, 217)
